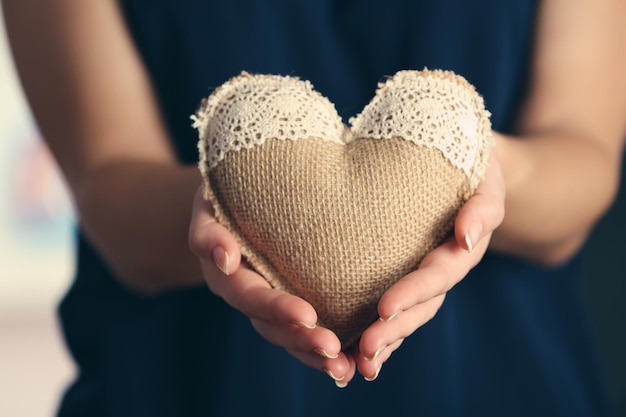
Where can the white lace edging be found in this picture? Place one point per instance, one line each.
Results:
(436, 109)
(249, 109)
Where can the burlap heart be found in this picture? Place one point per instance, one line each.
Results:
(333, 214)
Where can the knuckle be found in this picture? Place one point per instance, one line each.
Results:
(193, 240)
(501, 212)
(441, 277)
(239, 301)
(199, 238)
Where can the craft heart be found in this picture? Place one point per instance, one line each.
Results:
(337, 214)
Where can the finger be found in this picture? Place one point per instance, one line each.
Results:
(211, 241)
(381, 334)
(250, 293)
(320, 341)
(340, 370)
(440, 270)
(370, 369)
(318, 348)
(244, 289)
(484, 211)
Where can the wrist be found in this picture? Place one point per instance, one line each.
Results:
(137, 215)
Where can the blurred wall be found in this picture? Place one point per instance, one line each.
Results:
(36, 259)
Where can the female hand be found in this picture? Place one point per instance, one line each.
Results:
(283, 319)
(417, 297)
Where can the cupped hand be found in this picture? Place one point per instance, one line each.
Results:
(281, 318)
(416, 298)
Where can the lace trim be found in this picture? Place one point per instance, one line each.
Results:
(436, 109)
(249, 109)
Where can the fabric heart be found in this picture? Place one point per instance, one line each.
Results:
(337, 214)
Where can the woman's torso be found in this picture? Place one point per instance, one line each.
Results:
(509, 339)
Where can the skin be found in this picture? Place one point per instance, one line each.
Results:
(144, 211)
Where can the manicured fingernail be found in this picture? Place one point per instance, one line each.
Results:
(380, 349)
(341, 384)
(305, 325)
(368, 379)
(468, 242)
(393, 316)
(330, 374)
(325, 354)
(221, 259)
(473, 235)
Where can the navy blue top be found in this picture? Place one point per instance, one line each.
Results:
(510, 339)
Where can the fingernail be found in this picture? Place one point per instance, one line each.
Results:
(221, 259)
(473, 235)
(374, 377)
(325, 354)
(305, 325)
(330, 374)
(380, 349)
(390, 317)
(341, 384)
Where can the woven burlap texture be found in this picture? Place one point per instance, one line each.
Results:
(337, 222)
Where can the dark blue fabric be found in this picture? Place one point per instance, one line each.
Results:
(510, 340)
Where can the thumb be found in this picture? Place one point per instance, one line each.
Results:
(484, 211)
(211, 241)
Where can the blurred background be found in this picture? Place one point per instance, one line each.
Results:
(36, 267)
(36, 259)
